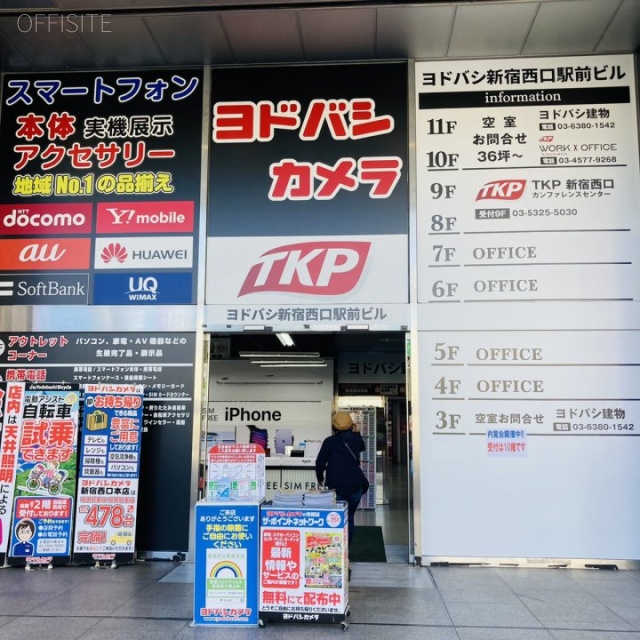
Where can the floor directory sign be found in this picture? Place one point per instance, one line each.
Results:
(528, 287)
(529, 185)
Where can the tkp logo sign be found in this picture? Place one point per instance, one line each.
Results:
(502, 190)
(316, 268)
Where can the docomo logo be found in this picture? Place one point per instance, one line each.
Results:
(26, 219)
(502, 190)
(43, 219)
(318, 268)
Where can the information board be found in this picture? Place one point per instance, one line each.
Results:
(528, 288)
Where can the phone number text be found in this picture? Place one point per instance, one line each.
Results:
(544, 212)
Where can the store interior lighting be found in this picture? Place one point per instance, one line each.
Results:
(356, 327)
(359, 402)
(296, 364)
(290, 363)
(279, 354)
(277, 361)
(285, 339)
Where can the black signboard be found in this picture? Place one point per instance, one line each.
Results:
(161, 362)
(100, 179)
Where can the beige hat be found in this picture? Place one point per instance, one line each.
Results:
(341, 421)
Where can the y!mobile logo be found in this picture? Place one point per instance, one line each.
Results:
(502, 190)
(146, 217)
(318, 268)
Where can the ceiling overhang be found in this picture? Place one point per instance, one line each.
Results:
(54, 35)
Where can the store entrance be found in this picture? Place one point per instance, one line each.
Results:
(369, 377)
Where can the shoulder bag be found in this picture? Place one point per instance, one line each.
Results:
(365, 481)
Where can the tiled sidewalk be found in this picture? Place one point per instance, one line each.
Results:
(387, 602)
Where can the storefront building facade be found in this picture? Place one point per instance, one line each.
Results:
(483, 207)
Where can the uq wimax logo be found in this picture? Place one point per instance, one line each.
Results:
(502, 190)
(317, 268)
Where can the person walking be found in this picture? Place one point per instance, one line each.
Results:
(338, 464)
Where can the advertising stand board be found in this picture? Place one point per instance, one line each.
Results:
(109, 474)
(45, 476)
(304, 564)
(226, 529)
(236, 471)
(12, 394)
(226, 563)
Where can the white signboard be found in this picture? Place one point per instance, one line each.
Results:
(529, 185)
(308, 281)
(528, 322)
(164, 252)
(295, 401)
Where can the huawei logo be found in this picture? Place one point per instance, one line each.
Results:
(114, 251)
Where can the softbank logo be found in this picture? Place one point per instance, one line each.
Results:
(318, 268)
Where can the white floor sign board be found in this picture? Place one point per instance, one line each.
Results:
(528, 294)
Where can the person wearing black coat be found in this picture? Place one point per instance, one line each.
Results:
(338, 463)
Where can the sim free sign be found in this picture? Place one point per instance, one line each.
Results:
(309, 203)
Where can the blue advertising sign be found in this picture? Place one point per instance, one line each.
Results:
(226, 564)
(142, 288)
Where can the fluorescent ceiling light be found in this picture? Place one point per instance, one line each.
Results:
(263, 382)
(254, 327)
(279, 354)
(296, 364)
(289, 362)
(285, 339)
